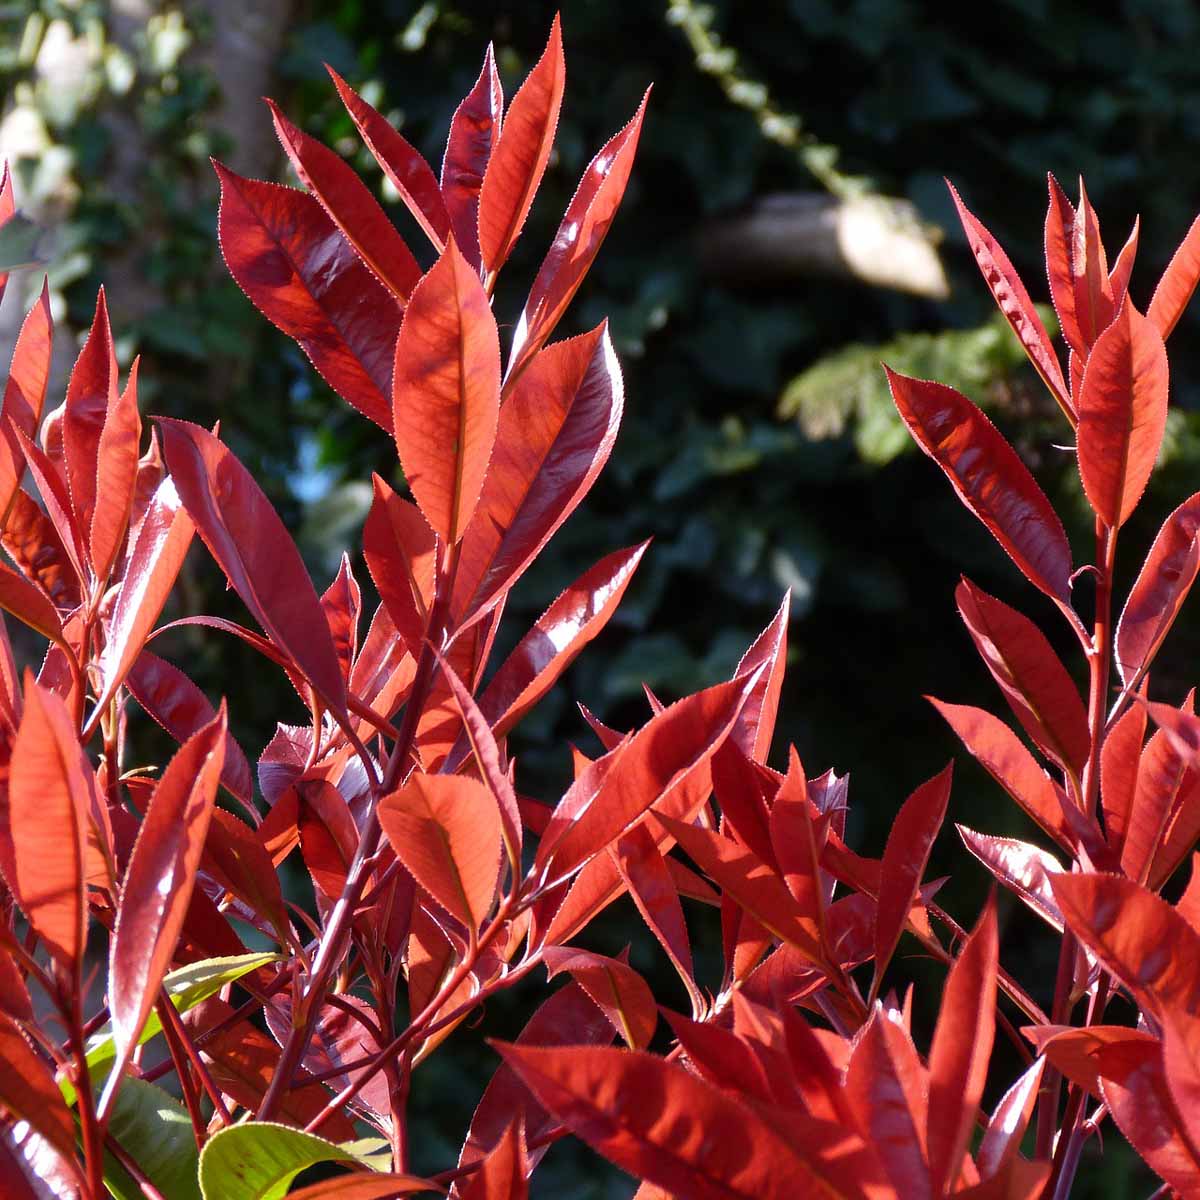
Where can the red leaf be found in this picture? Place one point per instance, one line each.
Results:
(962, 1045)
(554, 436)
(661, 1123)
(756, 725)
(505, 1170)
(351, 207)
(404, 166)
(1035, 684)
(29, 1093)
(364, 1187)
(1003, 755)
(989, 477)
(238, 860)
(297, 270)
(91, 394)
(1135, 1090)
(158, 882)
(474, 130)
(584, 226)
(605, 801)
(446, 393)
(33, 543)
(1137, 936)
(1078, 269)
(1118, 277)
(116, 476)
(1158, 594)
(1077, 1052)
(182, 709)
(519, 159)
(25, 391)
(751, 883)
(615, 987)
(905, 858)
(28, 604)
(49, 800)
(53, 492)
(250, 543)
(796, 842)
(1024, 869)
(154, 564)
(1002, 1138)
(1119, 758)
(1177, 284)
(1014, 302)
(1122, 414)
(446, 831)
(342, 604)
(879, 1093)
(1059, 235)
(556, 638)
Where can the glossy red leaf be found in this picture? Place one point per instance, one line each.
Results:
(25, 391)
(446, 831)
(406, 169)
(756, 724)
(342, 604)
(29, 1093)
(372, 1186)
(614, 986)
(1022, 868)
(1036, 685)
(661, 1123)
(238, 860)
(350, 206)
(751, 883)
(1004, 756)
(1014, 302)
(584, 227)
(554, 436)
(1122, 414)
(519, 158)
(962, 1045)
(446, 393)
(1158, 593)
(557, 637)
(879, 1093)
(1076, 1052)
(989, 477)
(29, 605)
(604, 803)
(474, 130)
(154, 564)
(91, 393)
(53, 491)
(1118, 277)
(504, 1172)
(905, 858)
(48, 805)
(1149, 946)
(1077, 269)
(158, 882)
(172, 700)
(1181, 1067)
(1177, 284)
(1002, 1138)
(244, 534)
(1120, 755)
(645, 873)
(1135, 1089)
(30, 1168)
(33, 543)
(116, 476)
(297, 270)
(567, 1018)
(796, 842)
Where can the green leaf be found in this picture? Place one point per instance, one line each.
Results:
(258, 1160)
(187, 987)
(154, 1130)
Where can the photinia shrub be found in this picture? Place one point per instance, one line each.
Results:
(197, 1065)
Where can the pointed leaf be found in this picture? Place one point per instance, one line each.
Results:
(1024, 869)
(519, 159)
(555, 434)
(404, 166)
(446, 393)
(1177, 284)
(116, 476)
(446, 831)
(661, 1123)
(905, 858)
(1122, 414)
(25, 391)
(289, 259)
(504, 1172)
(257, 1160)
(1120, 756)
(159, 879)
(474, 130)
(1002, 1138)
(989, 477)
(962, 1045)
(615, 987)
(29, 1093)
(364, 1187)
(1035, 684)
(351, 207)
(154, 1130)
(244, 534)
(1014, 302)
(755, 727)
(584, 227)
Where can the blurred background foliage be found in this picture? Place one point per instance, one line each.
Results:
(760, 448)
